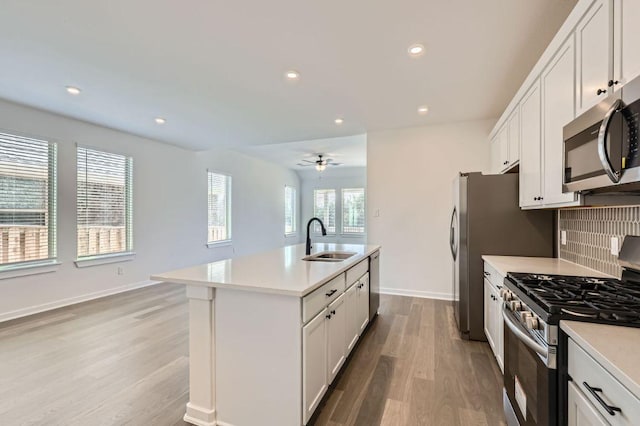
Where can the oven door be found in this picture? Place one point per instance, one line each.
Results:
(530, 378)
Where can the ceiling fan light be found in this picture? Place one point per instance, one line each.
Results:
(321, 167)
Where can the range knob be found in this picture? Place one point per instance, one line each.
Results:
(524, 315)
(506, 294)
(532, 323)
(515, 305)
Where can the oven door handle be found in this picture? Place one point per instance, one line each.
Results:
(602, 143)
(522, 335)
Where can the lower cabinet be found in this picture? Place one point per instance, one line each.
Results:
(336, 336)
(314, 369)
(327, 340)
(493, 322)
(581, 412)
(363, 302)
(351, 315)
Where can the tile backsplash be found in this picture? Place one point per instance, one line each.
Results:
(589, 233)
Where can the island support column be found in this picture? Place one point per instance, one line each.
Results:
(201, 408)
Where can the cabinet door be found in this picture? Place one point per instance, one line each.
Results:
(627, 53)
(496, 167)
(314, 360)
(530, 146)
(363, 303)
(514, 136)
(489, 314)
(351, 314)
(557, 82)
(336, 337)
(498, 328)
(594, 54)
(503, 138)
(581, 412)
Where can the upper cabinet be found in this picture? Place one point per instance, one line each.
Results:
(626, 37)
(594, 53)
(594, 59)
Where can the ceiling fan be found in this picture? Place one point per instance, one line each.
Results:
(320, 164)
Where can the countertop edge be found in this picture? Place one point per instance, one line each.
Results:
(630, 384)
(489, 258)
(269, 290)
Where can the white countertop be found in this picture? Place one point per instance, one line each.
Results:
(279, 271)
(616, 348)
(539, 265)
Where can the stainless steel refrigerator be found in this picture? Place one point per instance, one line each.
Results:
(486, 220)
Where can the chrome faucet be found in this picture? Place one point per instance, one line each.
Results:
(324, 232)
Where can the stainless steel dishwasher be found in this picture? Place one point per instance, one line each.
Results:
(374, 284)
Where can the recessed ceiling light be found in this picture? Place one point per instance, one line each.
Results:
(73, 90)
(160, 120)
(423, 110)
(338, 121)
(292, 75)
(415, 50)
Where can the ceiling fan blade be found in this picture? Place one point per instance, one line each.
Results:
(309, 161)
(334, 164)
(304, 165)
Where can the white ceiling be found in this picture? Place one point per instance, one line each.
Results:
(350, 151)
(215, 68)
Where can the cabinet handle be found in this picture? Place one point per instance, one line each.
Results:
(333, 312)
(328, 316)
(594, 391)
(487, 273)
(331, 293)
(601, 91)
(612, 83)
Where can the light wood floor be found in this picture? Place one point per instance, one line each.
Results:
(123, 360)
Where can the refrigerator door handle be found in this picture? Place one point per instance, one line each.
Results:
(452, 234)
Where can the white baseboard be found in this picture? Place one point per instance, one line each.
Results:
(73, 300)
(417, 293)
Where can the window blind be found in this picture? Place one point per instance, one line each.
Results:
(104, 203)
(219, 207)
(324, 208)
(289, 210)
(353, 211)
(27, 199)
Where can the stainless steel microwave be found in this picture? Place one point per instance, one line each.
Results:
(601, 145)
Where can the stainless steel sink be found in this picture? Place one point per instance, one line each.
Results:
(330, 256)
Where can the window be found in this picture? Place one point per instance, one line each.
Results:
(353, 211)
(104, 203)
(289, 210)
(219, 208)
(27, 200)
(324, 208)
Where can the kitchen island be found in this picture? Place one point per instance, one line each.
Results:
(269, 332)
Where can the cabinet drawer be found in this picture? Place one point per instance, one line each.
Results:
(584, 369)
(356, 272)
(316, 301)
(493, 276)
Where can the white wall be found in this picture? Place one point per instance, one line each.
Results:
(336, 178)
(170, 218)
(410, 174)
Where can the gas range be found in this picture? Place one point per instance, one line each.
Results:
(593, 299)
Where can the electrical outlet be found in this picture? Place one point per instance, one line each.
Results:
(563, 238)
(614, 246)
(120, 270)
(376, 213)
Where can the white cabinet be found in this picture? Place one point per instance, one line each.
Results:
(314, 370)
(581, 412)
(503, 142)
(496, 167)
(363, 302)
(514, 136)
(594, 54)
(626, 38)
(351, 314)
(336, 340)
(493, 322)
(557, 111)
(531, 148)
